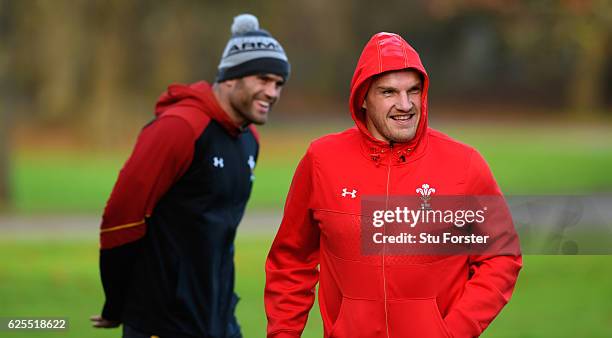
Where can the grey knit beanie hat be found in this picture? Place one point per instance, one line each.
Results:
(250, 51)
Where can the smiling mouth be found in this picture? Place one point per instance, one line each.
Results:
(404, 117)
(263, 104)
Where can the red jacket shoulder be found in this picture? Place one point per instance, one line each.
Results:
(332, 143)
(196, 118)
(441, 139)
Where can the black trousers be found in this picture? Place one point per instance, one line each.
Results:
(130, 332)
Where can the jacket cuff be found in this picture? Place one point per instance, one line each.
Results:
(110, 312)
(461, 326)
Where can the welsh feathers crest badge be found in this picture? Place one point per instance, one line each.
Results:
(426, 191)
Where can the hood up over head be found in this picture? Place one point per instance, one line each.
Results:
(385, 52)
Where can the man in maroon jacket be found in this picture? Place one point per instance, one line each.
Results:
(390, 152)
(167, 233)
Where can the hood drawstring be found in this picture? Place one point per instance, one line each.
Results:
(375, 154)
(375, 158)
(402, 157)
(402, 154)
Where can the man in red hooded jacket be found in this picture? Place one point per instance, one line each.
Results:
(167, 233)
(390, 152)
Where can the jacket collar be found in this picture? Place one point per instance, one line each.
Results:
(197, 95)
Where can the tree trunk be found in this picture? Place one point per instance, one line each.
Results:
(6, 27)
(586, 95)
(5, 155)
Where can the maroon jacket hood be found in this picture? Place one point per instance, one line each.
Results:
(197, 95)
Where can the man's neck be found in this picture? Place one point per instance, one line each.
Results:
(223, 100)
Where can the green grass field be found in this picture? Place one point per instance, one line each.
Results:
(556, 296)
(525, 160)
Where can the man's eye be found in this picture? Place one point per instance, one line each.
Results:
(387, 92)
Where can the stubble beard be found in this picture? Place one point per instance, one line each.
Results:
(396, 135)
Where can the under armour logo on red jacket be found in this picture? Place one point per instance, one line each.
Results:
(345, 193)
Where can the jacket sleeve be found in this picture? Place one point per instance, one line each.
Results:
(492, 276)
(292, 264)
(162, 154)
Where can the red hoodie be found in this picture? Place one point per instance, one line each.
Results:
(394, 296)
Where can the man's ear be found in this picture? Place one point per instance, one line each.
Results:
(228, 84)
(231, 83)
(364, 106)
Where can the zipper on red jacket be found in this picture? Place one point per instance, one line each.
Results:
(390, 158)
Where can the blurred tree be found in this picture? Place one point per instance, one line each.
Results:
(547, 31)
(59, 42)
(96, 66)
(5, 155)
(6, 38)
(112, 23)
(590, 30)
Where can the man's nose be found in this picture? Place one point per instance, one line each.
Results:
(271, 90)
(403, 102)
